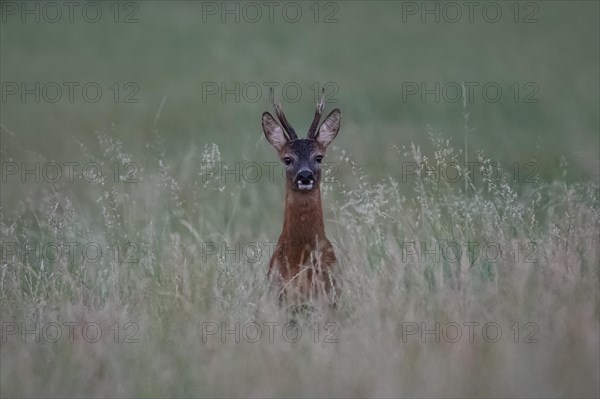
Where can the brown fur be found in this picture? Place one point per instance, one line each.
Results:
(303, 262)
(303, 259)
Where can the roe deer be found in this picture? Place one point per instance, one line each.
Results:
(302, 264)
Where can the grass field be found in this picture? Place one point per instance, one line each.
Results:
(137, 221)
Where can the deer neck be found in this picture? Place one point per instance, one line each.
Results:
(303, 219)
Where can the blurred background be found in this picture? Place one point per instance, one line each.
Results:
(391, 67)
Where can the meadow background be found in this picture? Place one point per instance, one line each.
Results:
(185, 246)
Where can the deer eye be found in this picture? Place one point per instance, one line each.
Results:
(287, 160)
(319, 158)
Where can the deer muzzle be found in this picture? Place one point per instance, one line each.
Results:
(305, 180)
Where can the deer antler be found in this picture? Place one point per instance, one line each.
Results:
(312, 131)
(288, 129)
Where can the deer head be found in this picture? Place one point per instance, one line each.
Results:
(302, 157)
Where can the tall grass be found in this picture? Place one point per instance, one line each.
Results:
(165, 288)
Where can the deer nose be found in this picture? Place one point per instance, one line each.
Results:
(305, 177)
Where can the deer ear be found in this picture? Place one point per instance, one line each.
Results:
(273, 131)
(329, 128)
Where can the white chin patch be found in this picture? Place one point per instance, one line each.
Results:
(305, 186)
